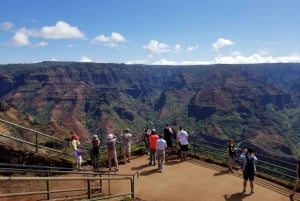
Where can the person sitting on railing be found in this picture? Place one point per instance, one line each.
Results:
(297, 183)
(249, 168)
(77, 152)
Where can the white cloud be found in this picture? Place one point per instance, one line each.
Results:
(6, 26)
(221, 42)
(192, 48)
(155, 47)
(137, 62)
(85, 59)
(53, 59)
(116, 37)
(20, 39)
(61, 30)
(236, 58)
(257, 58)
(165, 62)
(169, 62)
(177, 48)
(112, 41)
(41, 44)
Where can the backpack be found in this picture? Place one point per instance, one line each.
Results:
(250, 164)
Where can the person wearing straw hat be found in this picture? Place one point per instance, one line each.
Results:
(111, 151)
(126, 145)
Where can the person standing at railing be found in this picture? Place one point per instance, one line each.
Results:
(182, 138)
(152, 140)
(297, 183)
(126, 137)
(161, 146)
(77, 152)
(249, 168)
(168, 132)
(146, 135)
(231, 154)
(95, 152)
(111, 151)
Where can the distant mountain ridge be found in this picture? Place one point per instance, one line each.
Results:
(257, 104)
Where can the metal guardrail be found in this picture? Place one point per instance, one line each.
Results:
(277, 168)
(50, 192)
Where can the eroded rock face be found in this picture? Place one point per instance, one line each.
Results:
(91, 98)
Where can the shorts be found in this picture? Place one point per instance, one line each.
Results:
(248, 175)
(184, 147)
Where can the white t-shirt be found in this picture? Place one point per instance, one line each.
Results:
(182, 137)
(161, 144)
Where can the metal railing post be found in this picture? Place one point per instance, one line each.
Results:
(89, 188)
(48, 190)
(132, 188)
(100, 183)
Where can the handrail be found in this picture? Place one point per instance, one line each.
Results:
(31, 143)
(49, 192)
(28, 129)
(278, 169)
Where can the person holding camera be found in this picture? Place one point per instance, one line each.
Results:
(111, 151)
(249, 168)
(230, 154)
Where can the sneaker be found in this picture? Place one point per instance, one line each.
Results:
(244, 191)
(252, 192)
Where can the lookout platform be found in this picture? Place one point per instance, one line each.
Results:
(194, 180)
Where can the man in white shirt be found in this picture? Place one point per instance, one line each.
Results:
(182, 138)
(161, 146)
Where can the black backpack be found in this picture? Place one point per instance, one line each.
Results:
(250, 164)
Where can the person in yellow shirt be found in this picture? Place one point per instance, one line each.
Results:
(77, 152)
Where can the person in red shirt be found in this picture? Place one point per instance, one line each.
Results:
(152, 145)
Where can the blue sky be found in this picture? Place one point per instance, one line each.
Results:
(150, 32)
